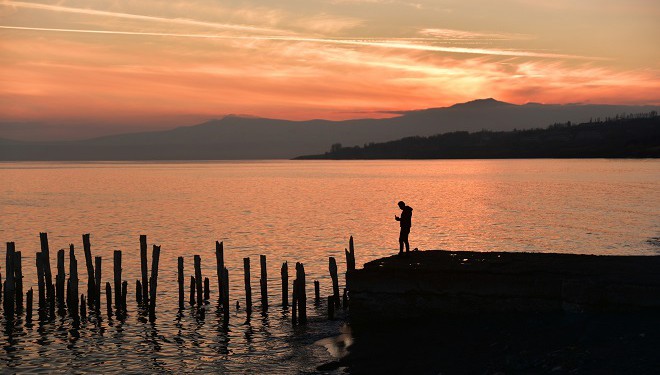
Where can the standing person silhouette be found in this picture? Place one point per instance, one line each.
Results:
(405, 223)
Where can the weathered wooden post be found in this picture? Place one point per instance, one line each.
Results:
(41, 287)
(302, 294)
(10, 282)
(331, 307)
(117, 280)
(192, 290)
(225, 301)
(285, 284)
(138, 292)
(248, 287)
(317, 293)
(180, 280)
(50, 289)
(60, 280)
(207, 290)
(294, 303)
(220, 266)
(18, 280)
(124, 292)
(108, 298)
(73, 283)
(83, 307)
(263, 282)
(144, 270)
(199, 280)
(350, 256)
(335, 280)
(153, 283)
(28, 306)
(91, 281)
(97, 282)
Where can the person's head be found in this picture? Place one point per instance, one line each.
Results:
(402, 205)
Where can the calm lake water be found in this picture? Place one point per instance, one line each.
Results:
(295, 211)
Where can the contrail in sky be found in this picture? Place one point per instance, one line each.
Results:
(356, 42)
(181, 21)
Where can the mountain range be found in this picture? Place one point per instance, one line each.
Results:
(236, 137)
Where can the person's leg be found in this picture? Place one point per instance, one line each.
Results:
(405, 241)
(401, 239)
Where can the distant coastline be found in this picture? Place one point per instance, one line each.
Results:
(629, 136)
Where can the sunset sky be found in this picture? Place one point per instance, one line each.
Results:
(81, 68)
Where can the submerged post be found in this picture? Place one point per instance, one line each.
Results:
(97, 282)
(294, 303)
(138, 292)
(225, 298)
(220, 266)
(207, 289)
(302, 294)
(180, 280)
(108, 298)
(144, 270)
(317, 293)
(10, 282)
(18, 280)
(248, 288)
(263, 282)
(60, 280)
(28, 306)
(335, 280)
(192, 290)
(73, 283)
(117, 280)
(124, 292)
(199, 280)
(350, 256)
(153, 283)
(91, 280)
(285, 284)
(50, 289)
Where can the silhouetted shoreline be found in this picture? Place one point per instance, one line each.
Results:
(633, 136)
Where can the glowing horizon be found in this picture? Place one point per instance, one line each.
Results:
(145, 65)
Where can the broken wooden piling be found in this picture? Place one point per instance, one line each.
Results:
(73, 284)
(153, 283)
(350, 256)
(41, 287)
(198, 280)
(207, 290)
(18, 280)
(294, 303)
(335, 280)
(220, 266)
(60, 280)
(263, 282)
(50, 288)
(97, 282)
(28, 305)
(138, 292)
(180, 280)
(144, 269)
(284, 272)
(117, 280)
(91, 281)
(10, 283)
(124, 292)
(108, 299)
(192, 291)
(225, 298)
(248, 287)
(317, 293)
(301, 293)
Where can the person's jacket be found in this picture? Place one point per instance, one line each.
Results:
(406, 217)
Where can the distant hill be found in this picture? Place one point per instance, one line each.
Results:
(632, 136)
(235, 137)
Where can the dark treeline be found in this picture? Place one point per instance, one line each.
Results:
(624, 136)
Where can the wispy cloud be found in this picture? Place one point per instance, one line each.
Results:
(451, 34)
(347, 42)
(178, 21)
